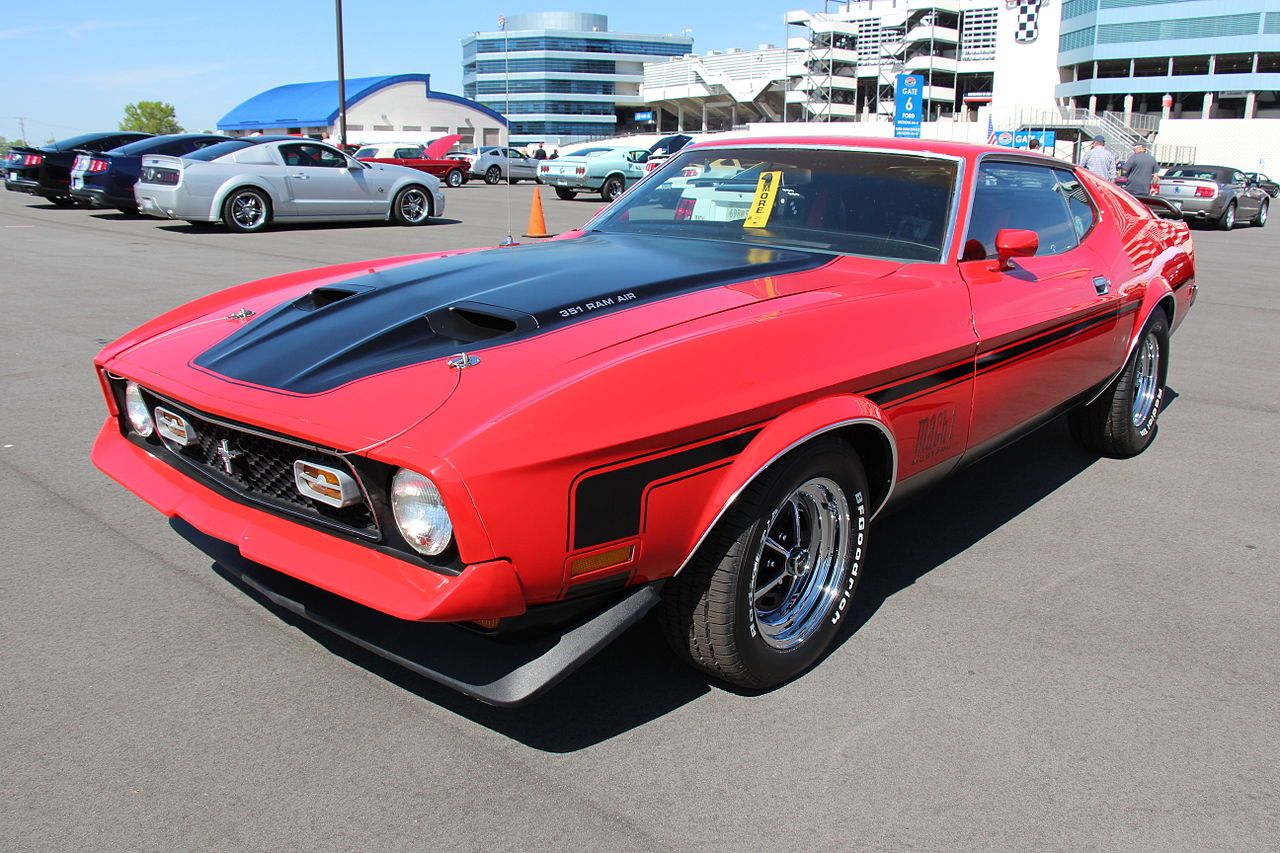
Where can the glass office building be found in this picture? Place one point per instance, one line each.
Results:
(1212, 58)
(562, 77)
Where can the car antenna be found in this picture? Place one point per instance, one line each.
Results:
(506, 152)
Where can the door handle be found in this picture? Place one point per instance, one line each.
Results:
(299, 176)
(1102, 284)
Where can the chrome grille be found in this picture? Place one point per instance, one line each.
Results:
(261, 467)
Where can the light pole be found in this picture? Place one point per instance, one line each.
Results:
(342, 81)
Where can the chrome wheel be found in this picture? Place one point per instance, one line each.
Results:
(801, 562)
(414, 206)
(493, 175)
(249, 211)
(1146, 380)
(1229, 218)
(1262, 214)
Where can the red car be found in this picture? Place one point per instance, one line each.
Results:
(699, 401)
(428, 158)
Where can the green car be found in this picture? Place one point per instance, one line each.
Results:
(606, 170)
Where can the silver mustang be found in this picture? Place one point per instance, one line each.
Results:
(250, 182)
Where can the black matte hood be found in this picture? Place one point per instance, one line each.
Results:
(377, 322)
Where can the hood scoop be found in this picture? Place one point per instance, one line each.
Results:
(405, 315)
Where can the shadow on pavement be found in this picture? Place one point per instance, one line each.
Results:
(637, 679)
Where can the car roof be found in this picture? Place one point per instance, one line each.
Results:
(962, 150)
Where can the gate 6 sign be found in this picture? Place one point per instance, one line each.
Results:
(907, 106)
(1028, 19)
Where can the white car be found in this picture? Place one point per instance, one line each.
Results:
(249, 183)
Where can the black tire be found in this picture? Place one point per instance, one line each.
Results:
(566, 194)
(1227, 220)
(711, 612)
(493, 175)
(455, 178)
(1107, 425)
(61, 200)
(513, 180)
(612, 188)
(412, 205)
(1260, 218)
(246, 210)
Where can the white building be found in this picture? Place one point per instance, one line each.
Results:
(971, 53)
(393, 107)
(719, 90)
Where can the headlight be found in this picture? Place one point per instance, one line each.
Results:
(136, 408)
(420, 513)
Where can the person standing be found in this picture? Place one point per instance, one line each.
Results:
(540, 153)
(1033, 145)
(1099, 160)
(1140, 168)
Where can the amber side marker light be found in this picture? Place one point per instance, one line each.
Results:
(601, 560)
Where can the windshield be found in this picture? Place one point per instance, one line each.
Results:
(882, 205)
(213, 152)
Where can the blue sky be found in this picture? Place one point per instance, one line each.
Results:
(71, 66)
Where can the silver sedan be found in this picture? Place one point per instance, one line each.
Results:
(248, 183)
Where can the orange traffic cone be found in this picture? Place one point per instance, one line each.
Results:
(537, 222)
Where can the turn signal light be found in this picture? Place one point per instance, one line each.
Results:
(601, 560)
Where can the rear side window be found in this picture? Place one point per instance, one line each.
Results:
(1083, 214)
(1023, 196)
(222, 149)
(408, 153)
(369, 151)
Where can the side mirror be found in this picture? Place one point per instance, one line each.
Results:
(1015, 243)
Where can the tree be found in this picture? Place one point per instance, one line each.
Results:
(150, 117)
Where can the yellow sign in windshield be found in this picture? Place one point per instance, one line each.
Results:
(762, 204)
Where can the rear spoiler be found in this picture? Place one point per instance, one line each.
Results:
(1162, 208)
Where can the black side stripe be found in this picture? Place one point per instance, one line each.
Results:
(607, 505)
(929, 382)
(989, 360)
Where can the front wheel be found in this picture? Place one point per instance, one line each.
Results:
(612, 188)
(454, 178)
(1260, 219)
(411, 206)
(493, 175)
(1122, 421)
(1228, 219)
(764, 596)
(566, 194)
(246, 211)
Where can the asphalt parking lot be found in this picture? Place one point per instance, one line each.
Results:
(1050, 651)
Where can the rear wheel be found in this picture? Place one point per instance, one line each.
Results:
(1228, 219)
(493, 175)
(566, 194)
(612, 188)
(1122, 421)
(764, 596)
(1260, 219)
(412, 206)
(454, 178)
(246, 211)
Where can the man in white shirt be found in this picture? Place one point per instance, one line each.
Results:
(1099, 160)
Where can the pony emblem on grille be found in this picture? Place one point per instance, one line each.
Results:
(227, 454)
(1028, 19)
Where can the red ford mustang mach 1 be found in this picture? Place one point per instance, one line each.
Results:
(699, 401)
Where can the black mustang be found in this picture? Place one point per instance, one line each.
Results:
(46, 171)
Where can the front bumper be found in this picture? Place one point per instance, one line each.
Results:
(488, 590)
(506, 674)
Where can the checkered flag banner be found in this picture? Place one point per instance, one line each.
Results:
(1028, 19)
